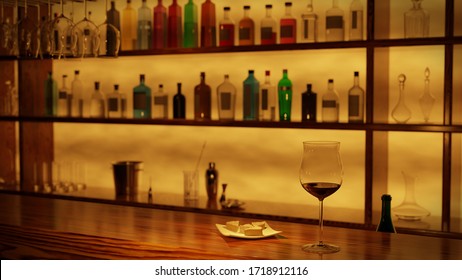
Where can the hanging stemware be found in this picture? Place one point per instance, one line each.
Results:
(5, 32)
(86, 36)
(109, 34)
(46, 26)
(61, 35)
(26, 28)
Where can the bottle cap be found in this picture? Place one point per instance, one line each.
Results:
(268, 6)
(76, 72)
(226, 76)
(251, 71)
(288, 4)
(212, 164)
(161, 86)
(284, 71)
(246, 7)
(308, 87)
(227, 8)
(356, 74)
(331, 80)
(267, 72)
(141, 77)
(386, 197)
(116, 87)
(64, 76)
(96, 85)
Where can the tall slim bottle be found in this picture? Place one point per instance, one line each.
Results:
(113, 103)
(123, 104)
(356, 20)
(386, 223)
(268, 28)
(334, 23)
(77, 96)
(267, 102)
(113, 17)
(226, 29)
(175, 28)
(226, 98)
(285, 97)
(309, 105)
(309, 24)
(144, 36)
(356, 101)
(159, 37)
(97, 103)
(250, 97)
(142, 100)
(51, 95)
(128, 28)
(179, 104)
(202, 100)
(63, 99)
(330, 103)
(208, 24)
(191, 31)
(288, 32)
(246, 29)
(160, 104)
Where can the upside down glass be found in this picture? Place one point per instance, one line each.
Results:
(321, 174)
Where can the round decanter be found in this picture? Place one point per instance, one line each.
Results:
(409, 210)
(427, 100)
(401, 113)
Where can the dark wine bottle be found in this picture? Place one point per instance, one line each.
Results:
(202, 100)
(309, 102)
(211, 180)
(179, 104)
(386, 224)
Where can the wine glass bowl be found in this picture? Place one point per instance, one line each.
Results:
(321, 175)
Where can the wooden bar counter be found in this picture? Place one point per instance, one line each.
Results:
(44, 228)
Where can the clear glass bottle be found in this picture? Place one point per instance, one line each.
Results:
(159, 34)
(51, 96)
(246, 29)
(128, 28)
(226, 29)
(144, 33)
(416, 21)
(191, 31)
(288, 26)
(208, 24)
(175, 28)
(97, 103)
(77, 96)
(285, 96)
(202, 100)
(356, 20)
(267, 102)
(426, 100)
(179, 104)
(268, 28)
(113, 32)
(63, 99)
(356, 101)
(330, 103)
(309, 24)
(114, 104)
(335, 28)
(386, 223)
(142, 100)
(160, 104)
(309, 105)
(401, 113)
(226, 97)
(251, 97)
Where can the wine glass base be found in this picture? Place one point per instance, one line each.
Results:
(321, 248)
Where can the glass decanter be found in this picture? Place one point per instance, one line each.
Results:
(427, 100)
(401, 113)
(409, 210)
(416, 21)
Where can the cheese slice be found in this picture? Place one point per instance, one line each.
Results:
(261, 224)
(253, 231)
(232, 226)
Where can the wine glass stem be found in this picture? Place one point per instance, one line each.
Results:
(321, 216)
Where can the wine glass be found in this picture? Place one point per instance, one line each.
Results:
(86, 36)
(46, 27)
(321, 174)
(61, 35)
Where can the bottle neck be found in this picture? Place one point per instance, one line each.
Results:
(268, 12)
(356, 81)
(246, 13)
(386, 209)
(330, 85)
(288, 11)
(179, 88)
(267, 79)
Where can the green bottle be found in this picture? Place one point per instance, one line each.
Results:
(285, 97)
(142, 100)
(51, 96)
(191, 34)
(386, 224)
(251, 93)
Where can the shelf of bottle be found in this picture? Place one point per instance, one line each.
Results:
(240, 123)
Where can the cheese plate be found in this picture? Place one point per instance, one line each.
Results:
(267, 232)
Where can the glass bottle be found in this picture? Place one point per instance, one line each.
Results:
(123, 104)
(330, 103)
(97, 104)
(202, 100)
(63, 101)
(268, 28)
(142, 100)
(113, 103)
(226, 29)
(251, 96)
(77, 96)
(288, 32)
(401, 113)
(309, 24)
(309, 105)
(51, 96)
(175, 28)
(334, 23)
(144, 36)
(160, 104)
(285, 96)
(246, 29)
(426, 100)
(179, 104)
(191, 32)
(128, 28)
(416, 21)
(386, 224)
(208, 24)
(267, 100)
(356, 20)
(226, 97)
(211, 179)
(409, 209)
(356, 101)
(159, 34)
(113, 32)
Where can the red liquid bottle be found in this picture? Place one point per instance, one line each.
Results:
(246, 29)
(159, 38)
(226, 29)
(288, 30)
(175, 28)
(208, 25)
